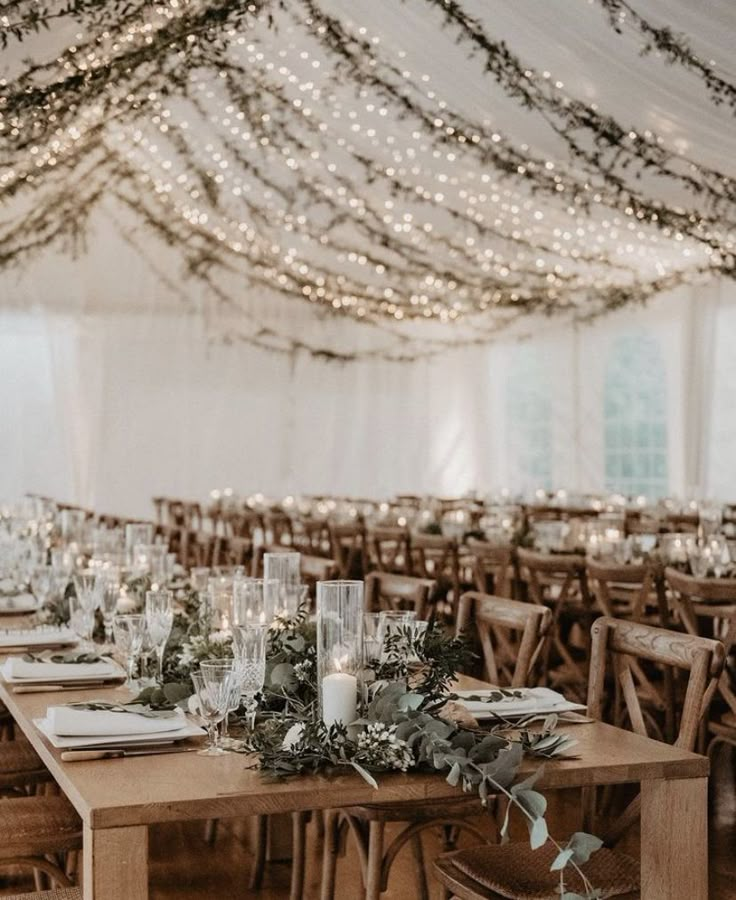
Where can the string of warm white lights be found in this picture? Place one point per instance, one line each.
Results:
(291, 152)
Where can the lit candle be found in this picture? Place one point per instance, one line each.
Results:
(339, 699)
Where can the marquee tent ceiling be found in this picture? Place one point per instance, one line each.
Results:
(369, 177)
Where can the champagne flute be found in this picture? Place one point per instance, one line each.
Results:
(128, 632)
(249, 647)
(159, 619)
(213, 695)
(81, 620)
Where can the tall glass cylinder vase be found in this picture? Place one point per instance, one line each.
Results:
(285, 568)
(339, 650)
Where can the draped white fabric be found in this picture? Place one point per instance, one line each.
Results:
(109, 410)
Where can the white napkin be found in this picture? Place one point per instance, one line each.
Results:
(18, 603)
(65, 720)
(18, 669)
(32, 637)
(533, 700)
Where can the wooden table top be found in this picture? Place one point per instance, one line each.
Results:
(136, 791)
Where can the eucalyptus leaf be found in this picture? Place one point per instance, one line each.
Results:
(583, 846)
(538, 833)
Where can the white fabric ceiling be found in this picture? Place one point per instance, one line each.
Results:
(570, 39)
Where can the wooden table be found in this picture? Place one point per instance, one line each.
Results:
(118, 799)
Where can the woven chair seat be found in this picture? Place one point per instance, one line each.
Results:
(20, 765)
(517, 872)
(35, 826)
(72, 893)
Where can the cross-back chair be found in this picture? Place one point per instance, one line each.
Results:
(469, 874)
(367, 824)
(384, 590)
(559, 581)
(312, 536)
(242, 523)
(707, 606)
(637, 593)
(278, 527)
(199, 548)
(233, 551)
(349, 549)
(389, 549)
(493, 568)
(437, 557)
(511, 636)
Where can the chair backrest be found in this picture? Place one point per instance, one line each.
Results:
(494, 567)
(234, 551)
(312, 536)
(242, 523)
(389, 549)
(349, 549)
(435, 556)
(511, 636)
(199, 548)
(624, 642)
(564, 570)
(625, 591)
(314, 569)
(278, 527)
(386, 590)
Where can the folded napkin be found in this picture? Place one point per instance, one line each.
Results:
(32, 637)
(516, 702)
(65, 720)
(18, 669)
(18, 603)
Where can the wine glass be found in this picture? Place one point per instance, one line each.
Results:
(227, 665)
(213, 694)
(159, 619)
(88, 588)
(249, 647)
(43, 583)
(109, 598)
(128, 631)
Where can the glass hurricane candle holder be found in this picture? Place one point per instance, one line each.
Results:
(220, 603)
(136, 533)
(286, 569)
(339, 649)
(254, 601)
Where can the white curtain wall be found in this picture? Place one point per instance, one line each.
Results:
(108, 410)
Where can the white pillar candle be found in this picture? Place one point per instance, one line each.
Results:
(339, 699)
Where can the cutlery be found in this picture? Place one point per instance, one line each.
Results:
(87, 755)
(45, 688)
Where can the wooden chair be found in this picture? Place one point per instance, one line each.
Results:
(637, 593)
(493, 568)
(438, 558)
(199, 549)
(312, 536)
(277, 527)
(314, 569)
(21, 769)
(707, 606)
(389, 550)
(242, 523)
(367, 823)
(559, 581)
(349, 549)
(38, 833)
(511, 636)
(611, 872)
(234, 551)
(384, 590)
(158, 504)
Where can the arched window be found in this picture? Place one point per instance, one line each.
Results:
(528, 420)
(635, 417)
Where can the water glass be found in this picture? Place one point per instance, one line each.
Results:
(227, 665)
(286, 569)
(213, 689)
(159, 619)
(109, 598)
(81, 620)
(43, 583)
(249, 648)
(128, 631)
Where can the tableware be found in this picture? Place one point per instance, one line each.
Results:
(17, 604)
(55, 688)
(213, 697)
(43, 637)
(109, 596)
(40, 670)
(254, 601)
(128, 633)
(89, 755)
(515, 703)
(81, 619)
(285, 568)
(249, 646)
(159, 619)
(187, 729)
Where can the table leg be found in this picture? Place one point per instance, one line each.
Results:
(674, 839)
(116, 863)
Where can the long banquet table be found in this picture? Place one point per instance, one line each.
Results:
(118, 799)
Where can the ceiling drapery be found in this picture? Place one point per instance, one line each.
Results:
(431, 171)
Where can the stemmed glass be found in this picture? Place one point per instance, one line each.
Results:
(226, 665)
(81, 620)
(159, 619)
(213, 688)
(109, 599)
(43, 583)
(249, 647)
(128, 631)
(88, 587)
